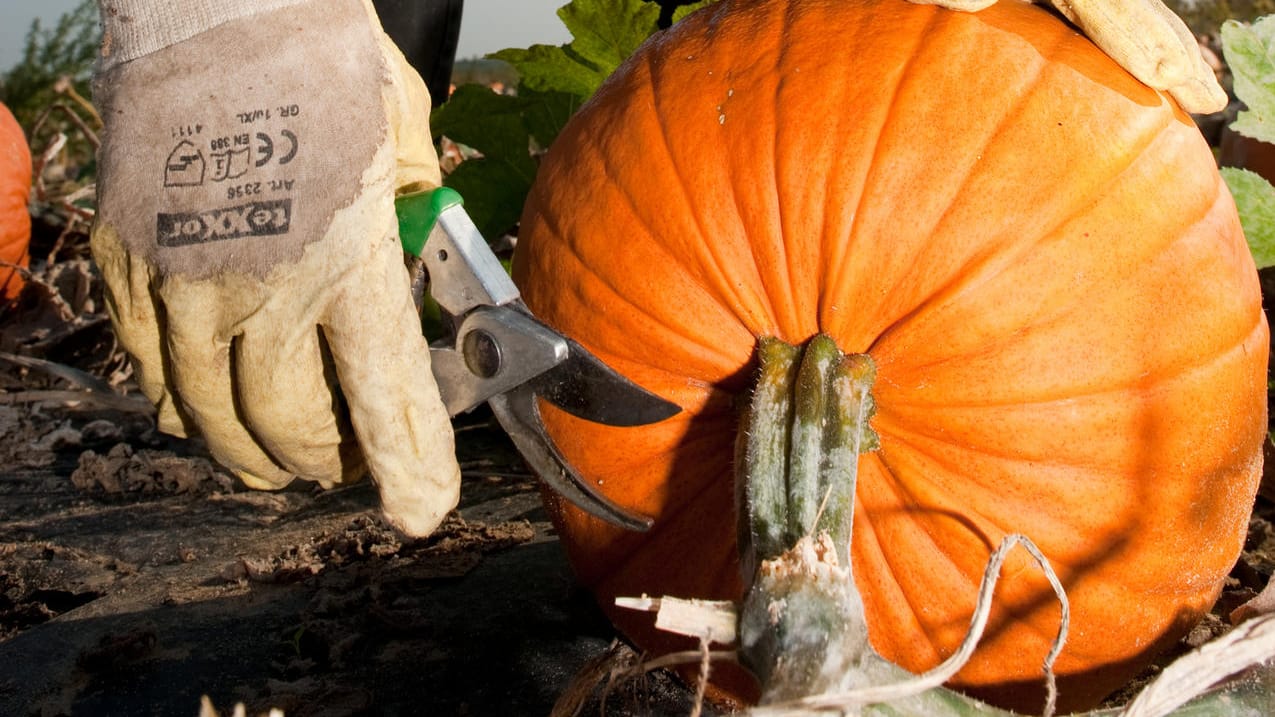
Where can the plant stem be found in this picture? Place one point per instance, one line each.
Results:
(802, 626)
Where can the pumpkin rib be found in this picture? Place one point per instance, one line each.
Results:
(995, 261)
(983, 488)
(954, 622)
(924, 446)
(661, 322)
(755, 310)
(854, 237)
(709, 259)
(791, 324)
(1194, 242)
(1095, 184)
(937, 432)
(874, 162)
(873, 546)
(967, 575)
(895, 567)
(557, 238)
(1024, 91)
(989, 253)
(971, 571)
(909, 438)
(885, 135)
(904, 495)
(1136, 387)
(1059, 317)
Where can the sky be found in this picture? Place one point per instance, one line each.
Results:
(487, 25)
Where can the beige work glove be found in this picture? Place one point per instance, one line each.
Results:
(247, 236)
(1145, 37)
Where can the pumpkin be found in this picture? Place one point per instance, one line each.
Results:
(15, 187)
(1034, 249)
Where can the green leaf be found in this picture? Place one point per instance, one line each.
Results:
(505, 130)
(1255, 200)
(547, 113)
(493, 192)
(552, 69)
(606, 32)
(488, 122)
(1250, 52)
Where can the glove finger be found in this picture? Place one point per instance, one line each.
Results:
(382, 361)
(1142, 35)
(287, 397)
(1200, 93)
(1200, 96)
(201, 375)
(138, 324)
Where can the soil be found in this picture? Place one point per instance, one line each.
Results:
(137, 576)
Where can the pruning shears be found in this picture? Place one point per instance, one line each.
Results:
(496, 351)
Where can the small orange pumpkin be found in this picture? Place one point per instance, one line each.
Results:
(1034, 248)
(15, 188)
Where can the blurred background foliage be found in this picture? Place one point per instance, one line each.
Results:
(1204, 17)
(42, 88)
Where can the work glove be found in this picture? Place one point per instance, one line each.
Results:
(1144, 37)
(247, 237)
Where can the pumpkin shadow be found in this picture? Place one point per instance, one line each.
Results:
(1076, 690)
(1163, 506)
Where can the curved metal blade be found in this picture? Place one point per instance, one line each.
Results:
(587, 388)
(519, 414)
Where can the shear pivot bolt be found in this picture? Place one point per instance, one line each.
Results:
(482, 353)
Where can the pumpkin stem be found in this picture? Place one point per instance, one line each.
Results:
(802, 627)
(798, 450)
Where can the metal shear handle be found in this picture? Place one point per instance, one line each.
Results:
(500, 353)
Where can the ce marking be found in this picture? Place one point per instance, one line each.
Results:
(267, 148)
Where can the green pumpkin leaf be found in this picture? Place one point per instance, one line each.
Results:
(494, 192)
(1250, 52)
(495, 184)
(547, 68)
(547, 113)
(606, 32)
(1255, 200)
(488, 122)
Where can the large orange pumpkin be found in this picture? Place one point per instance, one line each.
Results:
(15, 187)
(1036, 250)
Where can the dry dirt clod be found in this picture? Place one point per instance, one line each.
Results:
(124, 470)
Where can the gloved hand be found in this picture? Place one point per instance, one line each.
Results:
(247, 236)
(1146, 38)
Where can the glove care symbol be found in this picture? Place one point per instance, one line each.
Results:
(231, 164)
(185, 166)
